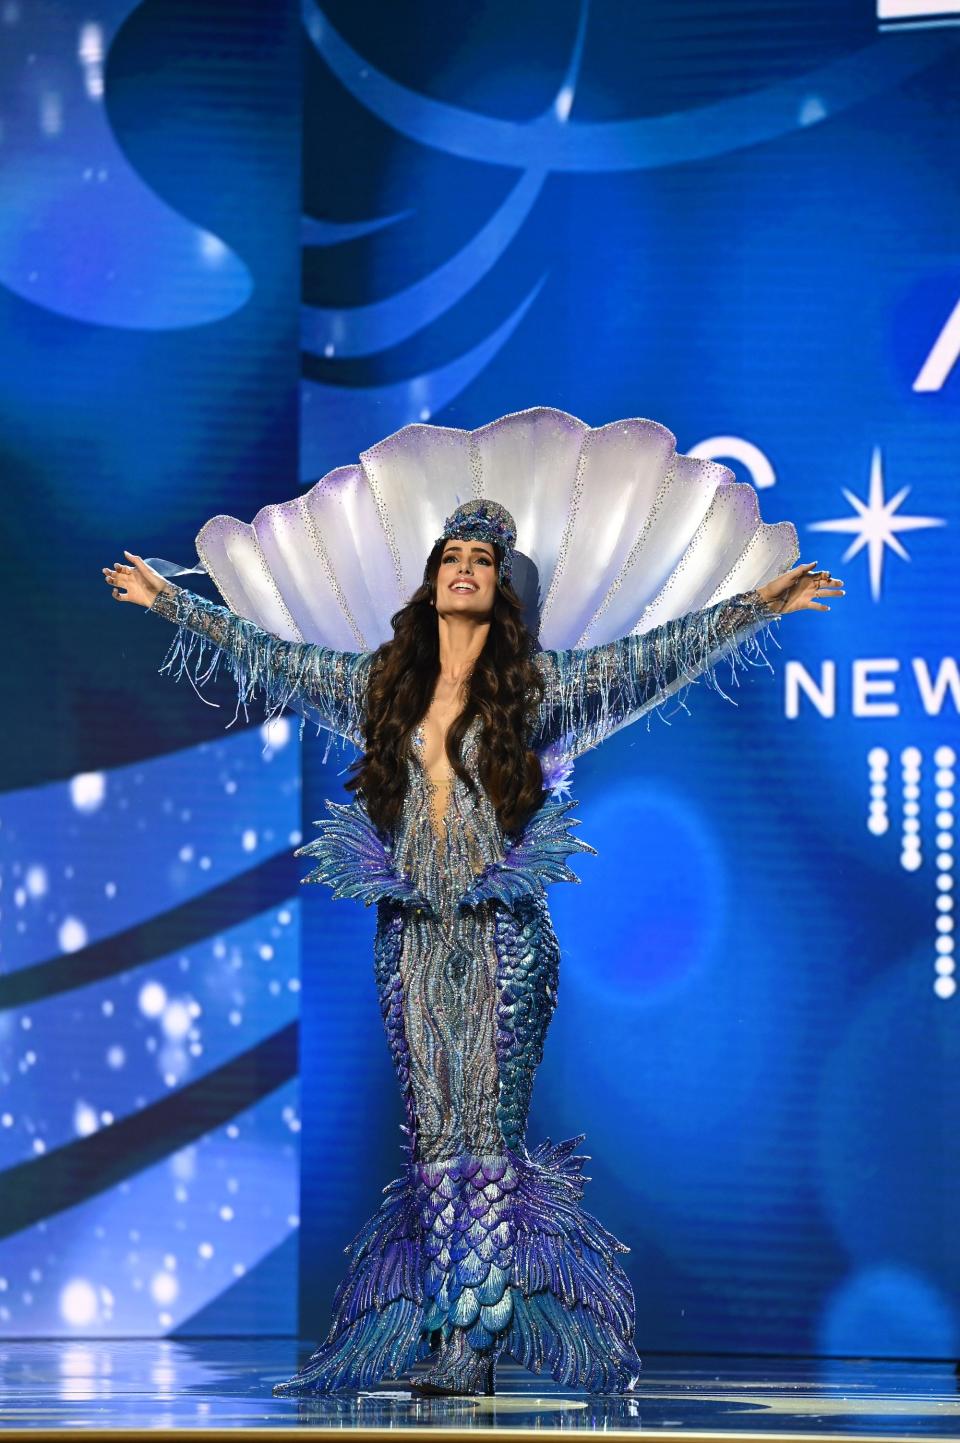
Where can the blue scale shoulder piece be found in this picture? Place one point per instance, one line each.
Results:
(353, 858)
(537, 856)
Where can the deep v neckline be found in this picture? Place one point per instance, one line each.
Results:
(420, 741)
(438, 819)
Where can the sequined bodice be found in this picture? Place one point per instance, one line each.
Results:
(442, 853)
(448, 963)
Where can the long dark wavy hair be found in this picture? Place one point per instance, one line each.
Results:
(505, 688)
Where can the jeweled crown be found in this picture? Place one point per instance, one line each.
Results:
(483, 520)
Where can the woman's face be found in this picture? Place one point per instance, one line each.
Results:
(467, 579)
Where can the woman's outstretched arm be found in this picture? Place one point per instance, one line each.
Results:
(594, 691)
(332, 683)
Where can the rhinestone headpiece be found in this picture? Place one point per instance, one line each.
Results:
(483, 520)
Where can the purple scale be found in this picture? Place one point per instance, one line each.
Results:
(479, 1207)
(432, 1245)
(487, 1249)
(459, 1248)
(445, 1219)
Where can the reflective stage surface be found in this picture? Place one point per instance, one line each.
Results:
(212, 1385)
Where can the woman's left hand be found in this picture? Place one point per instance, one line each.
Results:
(801, 589)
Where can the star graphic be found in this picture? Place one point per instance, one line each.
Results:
(875, 525)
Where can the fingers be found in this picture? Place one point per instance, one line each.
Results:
(117, 576)
(799, 573)
(829, 592)
(820, 585)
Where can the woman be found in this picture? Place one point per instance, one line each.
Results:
(481, 1246)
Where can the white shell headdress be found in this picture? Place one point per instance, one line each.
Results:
(615, 531)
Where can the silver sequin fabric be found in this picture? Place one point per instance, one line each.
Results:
(449, 966)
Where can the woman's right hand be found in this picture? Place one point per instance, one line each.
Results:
(140, 582)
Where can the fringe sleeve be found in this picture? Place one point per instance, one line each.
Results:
(328, 685)
(593, 692)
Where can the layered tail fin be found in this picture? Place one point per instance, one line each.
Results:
(573, 1314)
(496, 1250)
(378, 1307)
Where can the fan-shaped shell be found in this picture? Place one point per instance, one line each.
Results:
(616, 532)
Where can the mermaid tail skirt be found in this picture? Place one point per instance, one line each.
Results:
(479, 1242)
(497, 1255)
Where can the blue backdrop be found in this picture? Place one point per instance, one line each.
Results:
(149, 1102)
(742, 225)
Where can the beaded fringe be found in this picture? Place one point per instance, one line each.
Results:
(594, 691)
(319, 683)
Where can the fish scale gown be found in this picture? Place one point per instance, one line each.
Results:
(481, 1246)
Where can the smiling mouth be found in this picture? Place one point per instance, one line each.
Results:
(463, 586)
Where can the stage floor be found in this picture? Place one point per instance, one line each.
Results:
(210, 1386)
